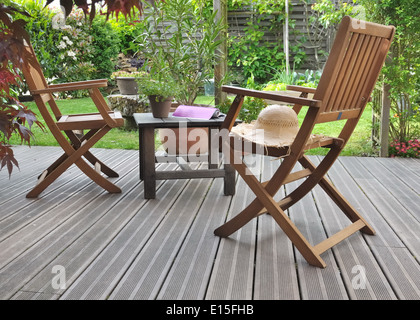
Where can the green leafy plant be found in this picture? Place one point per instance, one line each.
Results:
(162, 87)
(126, 74)
(127, 31)
(72, 49)
(309, 78)
(402, 69)
(254, 56)
(251, 53)
(330, 12)
(180, 39)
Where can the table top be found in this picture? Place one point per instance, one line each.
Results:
(147, 120)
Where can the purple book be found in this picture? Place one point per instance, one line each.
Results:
(196, 112)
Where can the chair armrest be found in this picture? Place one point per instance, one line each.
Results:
(301, 89)
(72, 86)
(272, 96)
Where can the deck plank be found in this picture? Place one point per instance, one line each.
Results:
(353, 255)
(276, 275)
(106, 270)
(192, 267)
(146, 274)
(121, 246)
(54, 234)
(58, 194)
(232, 276)
(403, 223)
(42, 216)
(385, 240)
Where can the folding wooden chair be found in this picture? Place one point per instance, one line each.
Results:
(349, 76)
(77, 145)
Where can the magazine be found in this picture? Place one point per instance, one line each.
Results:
(197, 112)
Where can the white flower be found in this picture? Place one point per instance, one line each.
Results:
(65, 38)
(69, 42)
(71, 53)
(62, 45)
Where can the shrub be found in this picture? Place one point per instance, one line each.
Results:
(180, 39)
(74, 49)
(127, 31)
(407, 149)
(309, 78)
(251, 53)
(402, 68)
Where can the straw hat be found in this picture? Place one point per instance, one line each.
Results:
(276, 126)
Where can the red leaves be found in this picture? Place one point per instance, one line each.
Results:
(126, 7)
(7, 158)
(14, 117)
(17, 119)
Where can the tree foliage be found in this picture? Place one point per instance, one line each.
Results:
(402, 69)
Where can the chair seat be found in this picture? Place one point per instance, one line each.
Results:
(247, 146)
(87, 121)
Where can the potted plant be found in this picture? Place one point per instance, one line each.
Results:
(126, 81)
(160, 90)
(180, 38)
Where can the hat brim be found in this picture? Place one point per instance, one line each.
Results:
(263, 137)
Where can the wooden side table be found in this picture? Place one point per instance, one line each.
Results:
(147, 154)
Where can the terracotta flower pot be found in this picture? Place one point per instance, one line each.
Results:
(160, 108)
(127, 85)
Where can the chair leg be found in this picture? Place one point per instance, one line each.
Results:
(255, 208)
(241, 219)
(267, 201)
(96, 177)
(77, 142)
(75, 157)
(49, 178)
(264, 200)
(54, 165)
(339, 199)
(104, 168)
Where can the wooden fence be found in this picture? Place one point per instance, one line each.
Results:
(381, 106)
(318, 39)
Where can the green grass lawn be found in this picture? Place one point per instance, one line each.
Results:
(359, 144)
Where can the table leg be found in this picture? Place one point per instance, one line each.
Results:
(141, 153)
(229, 180)
(148, 163)
(212, 149)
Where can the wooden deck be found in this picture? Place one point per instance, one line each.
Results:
(120, 246)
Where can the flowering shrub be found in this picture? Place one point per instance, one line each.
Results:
(74, 50)
(71, 49)
(408, 149)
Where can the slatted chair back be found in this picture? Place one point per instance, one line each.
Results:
(352, 69)
(35, 80)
